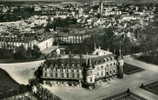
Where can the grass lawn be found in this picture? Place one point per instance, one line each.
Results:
(149, 59)
(8, 86)
(127, 95)
(153, 87)
(130, 69)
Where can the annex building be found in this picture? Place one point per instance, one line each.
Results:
(12, 42)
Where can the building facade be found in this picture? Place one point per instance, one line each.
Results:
(9, 42)
(71, 39)
(81, 70)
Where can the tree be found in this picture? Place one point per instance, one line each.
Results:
(5, 53)
(149, 40)
(36, 53)
(20, 52)
(29, 53)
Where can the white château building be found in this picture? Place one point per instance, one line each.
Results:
(81, 70)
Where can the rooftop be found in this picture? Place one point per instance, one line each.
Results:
(98, 56)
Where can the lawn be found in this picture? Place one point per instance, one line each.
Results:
(149, 58)
(153, 87)
(8, 86)
(130, 69)
(127, 95)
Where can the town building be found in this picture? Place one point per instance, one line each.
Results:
(12, 42)
(81, 70)
(63, 39)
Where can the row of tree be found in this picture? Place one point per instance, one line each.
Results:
(21, 53)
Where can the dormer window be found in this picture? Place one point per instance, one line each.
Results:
(106, 59)
(78, 65)
(73, 65)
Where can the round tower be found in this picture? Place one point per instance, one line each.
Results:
(89, 75)
(120, 67)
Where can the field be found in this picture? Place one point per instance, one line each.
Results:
(149, 59)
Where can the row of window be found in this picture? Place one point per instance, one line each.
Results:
(106, 66)
(62, 70)
(111, 70)
(13, 45)
(102, 73)
(107, 59)
(63, 75)
(77, 65)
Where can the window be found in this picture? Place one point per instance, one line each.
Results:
(111, 58)
(67, 75)
(62, 75)
(73, 75)
(91, 80)
(97, 73)
(56, 75)
(90, 72)
(102, 74)
(78, 75)
(95, 62)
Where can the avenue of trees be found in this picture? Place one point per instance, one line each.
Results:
(21, 53)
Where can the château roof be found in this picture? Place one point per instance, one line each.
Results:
(81, 59)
